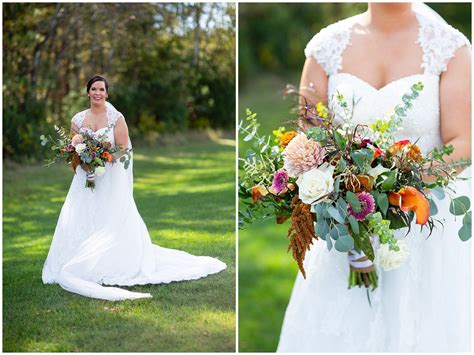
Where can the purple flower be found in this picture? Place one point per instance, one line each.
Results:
(70, 148)
(94, 154)
(280, 180)
(367, 203)
(364, 142)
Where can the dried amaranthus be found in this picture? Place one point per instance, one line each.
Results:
(301, 232)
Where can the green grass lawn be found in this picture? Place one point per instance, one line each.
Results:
(186, 196)
(266, 271)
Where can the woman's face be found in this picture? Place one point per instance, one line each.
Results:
(98, 93)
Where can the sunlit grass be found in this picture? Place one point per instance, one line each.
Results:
(186, 197)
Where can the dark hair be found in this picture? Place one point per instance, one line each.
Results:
(97, 78)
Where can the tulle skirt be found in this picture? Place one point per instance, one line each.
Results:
(423, 306)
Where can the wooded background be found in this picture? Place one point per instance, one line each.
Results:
(170, 67)
(272, 37)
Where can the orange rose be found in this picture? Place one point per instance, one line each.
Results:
(286, 138)
(410, 199)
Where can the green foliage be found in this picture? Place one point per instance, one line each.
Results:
(381, 227)
(459, 205)
(171, 67)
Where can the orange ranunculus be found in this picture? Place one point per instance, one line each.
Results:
(286, 138)
(107, 156)
(258, 192)
(410, 199)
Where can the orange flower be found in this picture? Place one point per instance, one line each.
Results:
(410, 199)
(414, 153)
(378, 152)
(398, 146)
(358, 183)
(258, 192)
(107, 156)
(286, 138)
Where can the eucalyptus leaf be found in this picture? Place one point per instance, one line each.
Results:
(337, 184)
(465, 233)
(249, 136)
(338, 230)
(353, 201)
(322, 228)
(334, 213)
(328, 242)
(433, 208)
(341, 206)
(354, 224)
(358, 159)
(344, 243)
(438, 192)
(467, 219)
(459, 205)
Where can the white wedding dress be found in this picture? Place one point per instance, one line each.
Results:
(101, 239)
(425, 305)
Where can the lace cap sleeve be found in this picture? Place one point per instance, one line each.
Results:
(78, 118)
(327, 45)
(439, 42)
(112, 114)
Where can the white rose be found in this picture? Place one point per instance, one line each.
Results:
(99, 171)
(80, 148)
(391, 259)
(379, 169)
(316, 183)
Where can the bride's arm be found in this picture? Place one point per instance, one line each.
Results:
(121, 134)
(455, 104)
(313, 84)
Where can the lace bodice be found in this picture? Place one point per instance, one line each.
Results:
(439, 42)
(112, 116)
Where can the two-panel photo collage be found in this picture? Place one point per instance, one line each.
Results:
(237, 177)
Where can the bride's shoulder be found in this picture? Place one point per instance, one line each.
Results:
(327, 45)
(78, 118)
(439, 42)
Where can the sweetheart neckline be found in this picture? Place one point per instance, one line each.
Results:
(95, 130)
(386, 85)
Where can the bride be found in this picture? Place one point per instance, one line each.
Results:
(100, 238)
(425, 305)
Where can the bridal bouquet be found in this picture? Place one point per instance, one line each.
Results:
(349, 185)
(86, 149)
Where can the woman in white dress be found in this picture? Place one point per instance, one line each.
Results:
(100, 238)
(425, 305)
